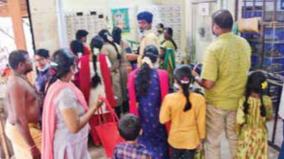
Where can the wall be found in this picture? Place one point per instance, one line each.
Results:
(45, 24)
(49, 29)
(51, 34)
(184, 22)
(106, 6)
(132, 5)
(198, 22)
(48, 19)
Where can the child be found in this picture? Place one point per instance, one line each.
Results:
(253, 112)
(186, 112)
(130, 128)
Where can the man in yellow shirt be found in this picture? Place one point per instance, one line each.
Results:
(149, 37)
(224, 75)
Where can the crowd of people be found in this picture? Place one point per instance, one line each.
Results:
(161, 117)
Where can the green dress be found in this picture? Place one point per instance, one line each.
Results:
(169, 63)
(252, 131)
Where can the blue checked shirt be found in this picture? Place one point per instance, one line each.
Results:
(130, 151)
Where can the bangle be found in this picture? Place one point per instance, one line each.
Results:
(197, 78)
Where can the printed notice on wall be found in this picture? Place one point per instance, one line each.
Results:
(203, 9)
(120, 18)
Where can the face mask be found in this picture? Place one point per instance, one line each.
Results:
(141, 31)
(80, 54)
(96, 51)
(109, 38)
(43, 69)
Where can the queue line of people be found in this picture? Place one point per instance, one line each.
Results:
(164, 125)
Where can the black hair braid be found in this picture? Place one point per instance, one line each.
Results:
(174, 43)
(96, 42)
(143, 77)
(96, 80)
(186, 94)
(184, 78)
(49, 83)
(104, 34)
(116, 35)
(118, 56)
(262, 107)
(246, 104)
(254, 85)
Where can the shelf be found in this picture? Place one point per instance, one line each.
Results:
(270, 57)
(274, 42)
(253, 11)
(272, 24)
(270, 36)
(266, 41)
(275, 82)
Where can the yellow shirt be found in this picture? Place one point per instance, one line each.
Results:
(226, 62)
(187, 128)
(149, 38)
(168, 45)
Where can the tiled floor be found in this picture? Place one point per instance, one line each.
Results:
(98, 152)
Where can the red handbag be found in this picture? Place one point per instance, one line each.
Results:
(107, 131)
(95, 121)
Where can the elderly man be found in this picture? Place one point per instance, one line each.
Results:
(148, 37)
(224, 75)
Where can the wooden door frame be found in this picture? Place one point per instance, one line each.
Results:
(13, 9)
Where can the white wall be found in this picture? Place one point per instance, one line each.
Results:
(49, 26)
(83, 5)
(197, 22)
(45, 24)
(185, 44)
(106, 6)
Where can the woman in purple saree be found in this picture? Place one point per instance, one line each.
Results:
(146, 87)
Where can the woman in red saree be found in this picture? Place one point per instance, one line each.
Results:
(147, 86)
(101, 83)
(82, 78)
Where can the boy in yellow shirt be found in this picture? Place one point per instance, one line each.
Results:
(186, 112)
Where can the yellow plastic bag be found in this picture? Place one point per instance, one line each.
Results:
(200, 154)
